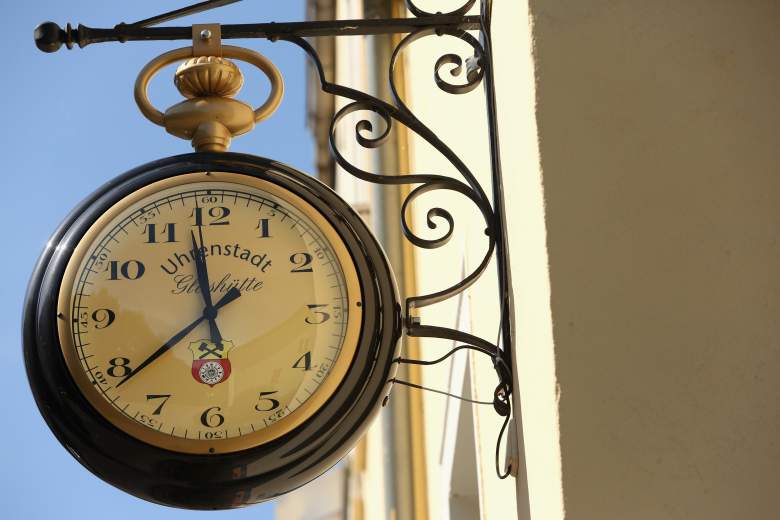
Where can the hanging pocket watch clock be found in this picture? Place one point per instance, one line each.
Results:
(213, 329)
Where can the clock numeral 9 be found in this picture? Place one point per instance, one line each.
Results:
(130, 270)
(212, 420)
(103, 318)
(272, 404)
(302, 262)
(119, 367)
(218, 216)
(317, 317)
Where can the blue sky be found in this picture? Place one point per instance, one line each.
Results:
(70, 124)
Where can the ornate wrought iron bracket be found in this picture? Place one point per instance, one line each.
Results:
(478, 70)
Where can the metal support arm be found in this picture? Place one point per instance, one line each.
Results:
(49, 36)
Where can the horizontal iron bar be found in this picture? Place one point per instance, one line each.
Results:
(49, 37)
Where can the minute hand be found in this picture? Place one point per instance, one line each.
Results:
(210, 312)
(229, 296)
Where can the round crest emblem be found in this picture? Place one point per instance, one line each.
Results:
(210, 363)
(211, 372)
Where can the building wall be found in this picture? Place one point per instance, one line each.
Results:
(439, 463)
(659, 151)
(461, 463)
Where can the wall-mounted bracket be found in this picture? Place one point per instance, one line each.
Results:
(207, 39)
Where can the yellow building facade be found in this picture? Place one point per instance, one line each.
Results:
(639, 151)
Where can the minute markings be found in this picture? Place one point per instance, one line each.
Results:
(337, 291)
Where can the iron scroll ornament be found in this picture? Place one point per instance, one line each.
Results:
(367, 136)
(478, 67)
(222, 480)
(478, 71)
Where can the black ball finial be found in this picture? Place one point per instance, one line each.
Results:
(49, 37)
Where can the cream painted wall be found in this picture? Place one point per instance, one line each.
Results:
(539, 488)
(658, 131)
(461, 123)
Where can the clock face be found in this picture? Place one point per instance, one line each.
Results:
(209, 312)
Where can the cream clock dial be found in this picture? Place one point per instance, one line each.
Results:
(209, 313)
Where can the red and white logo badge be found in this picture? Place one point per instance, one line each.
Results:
(210, 363)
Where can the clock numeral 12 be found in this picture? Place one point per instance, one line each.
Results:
(218, 216)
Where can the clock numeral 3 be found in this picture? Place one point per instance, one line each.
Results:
(272, 404)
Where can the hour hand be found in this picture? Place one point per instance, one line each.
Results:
(201, 269)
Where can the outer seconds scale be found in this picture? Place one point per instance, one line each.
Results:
(213, 329)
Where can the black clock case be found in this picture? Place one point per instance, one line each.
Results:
(226, 480)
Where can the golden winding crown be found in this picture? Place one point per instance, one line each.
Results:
(206, 76)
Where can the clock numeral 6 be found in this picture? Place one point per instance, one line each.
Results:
(317, 317)
(302, 262)
(212, 420)
(130, 270)
(272, 404)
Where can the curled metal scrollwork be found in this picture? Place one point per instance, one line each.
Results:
(368, 136)
(416, 11)
(474, 74)
(372, 130)
(426, 183)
